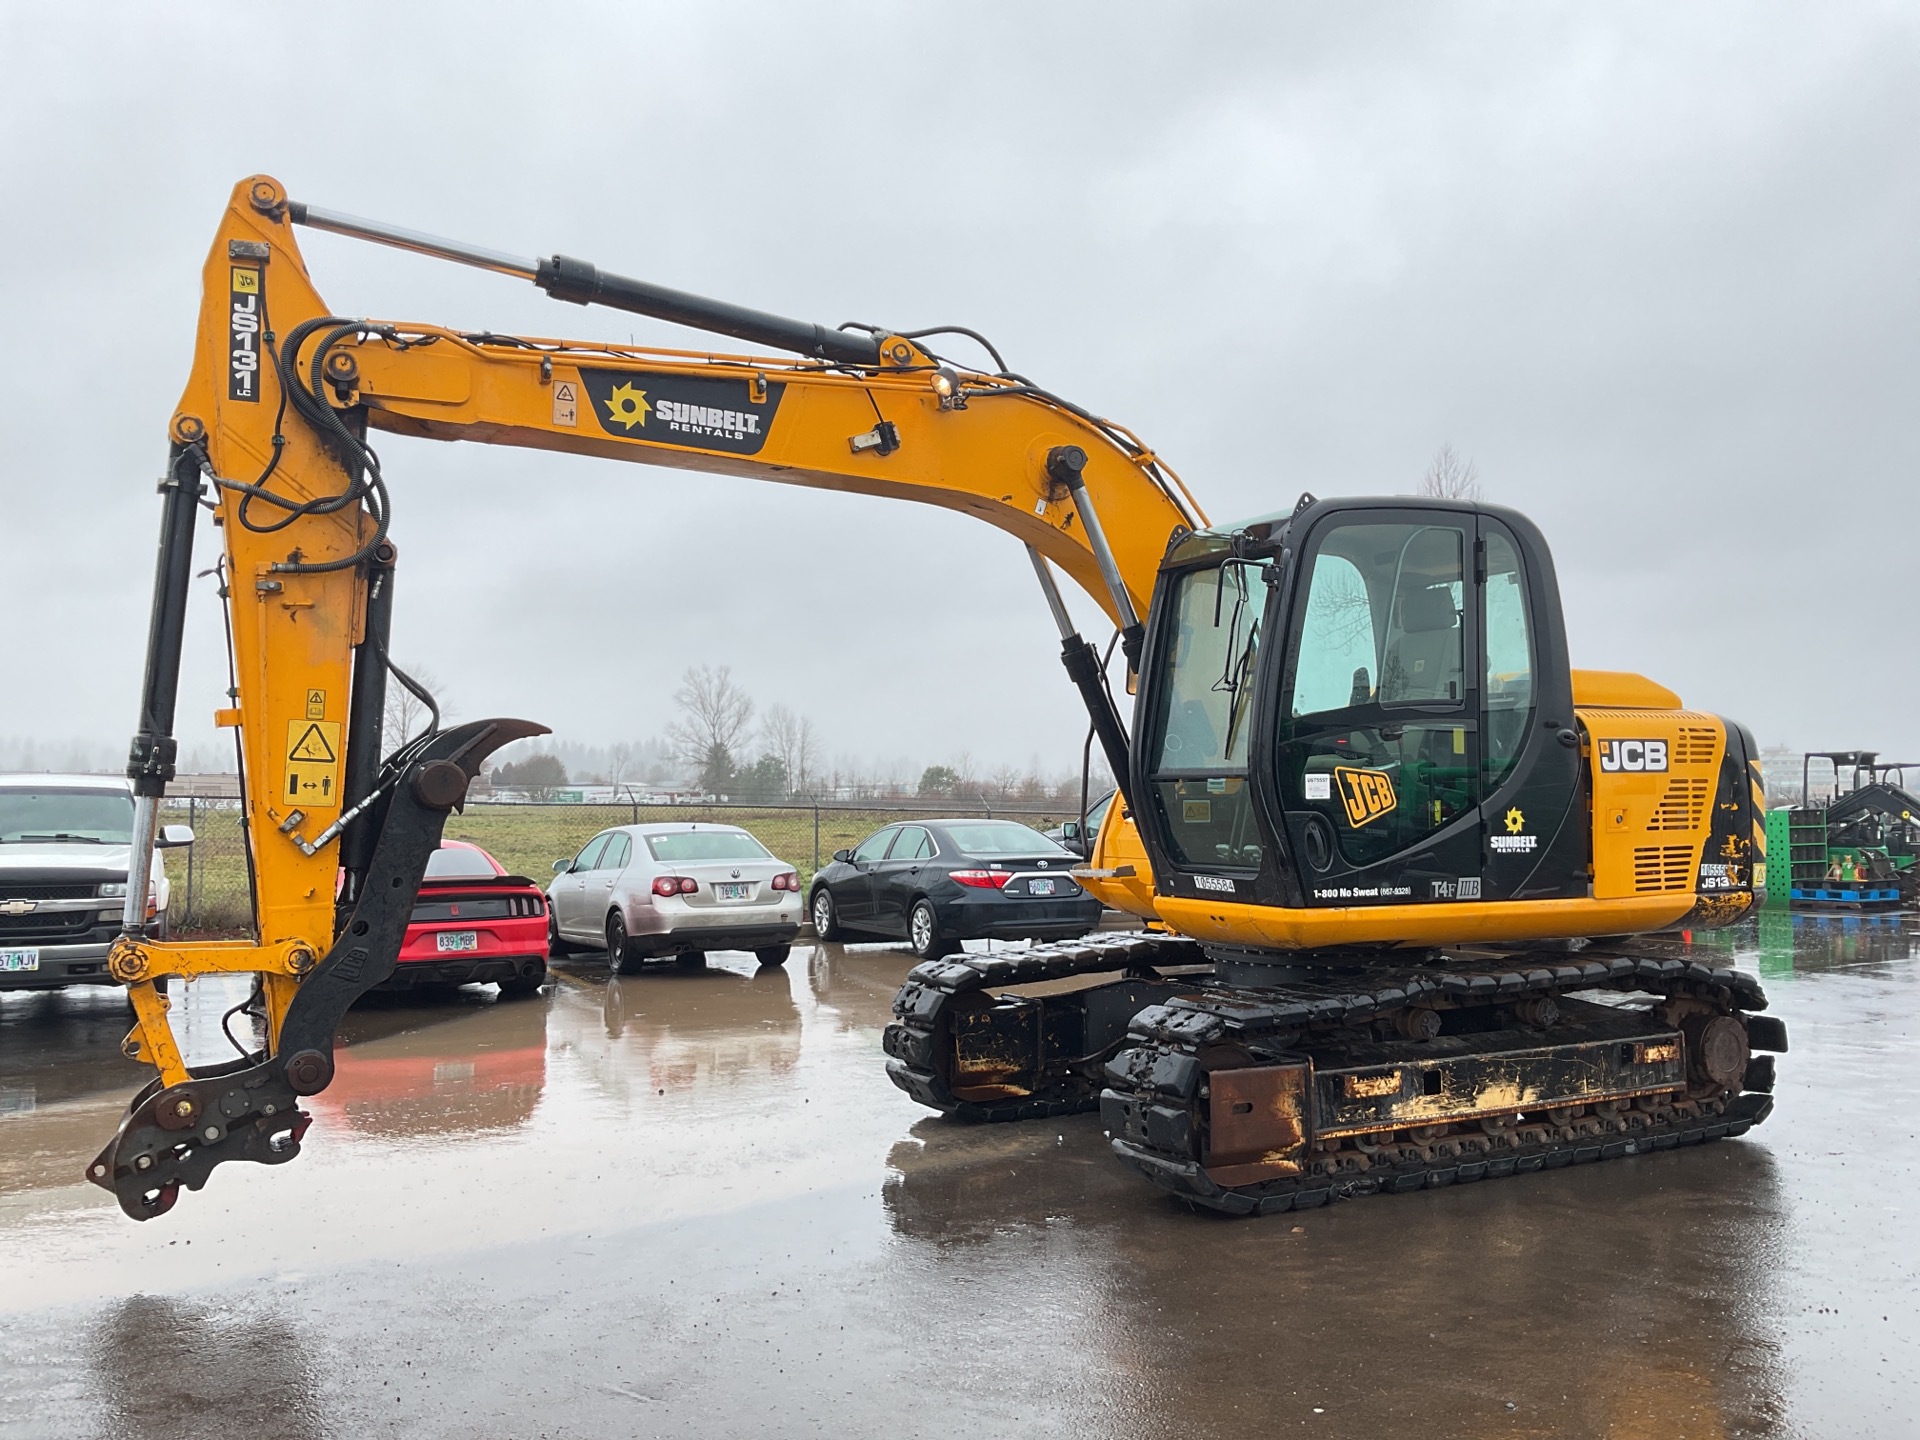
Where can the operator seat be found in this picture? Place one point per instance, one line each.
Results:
(1423, 661)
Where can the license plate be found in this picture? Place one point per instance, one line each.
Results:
(457, 940)
(734, 892)
(19, 959)
(1040, 887)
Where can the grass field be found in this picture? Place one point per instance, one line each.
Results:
(210, 885)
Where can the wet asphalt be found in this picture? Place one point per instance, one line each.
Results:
(691, 1204)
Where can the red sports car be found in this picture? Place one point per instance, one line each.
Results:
(473, 923)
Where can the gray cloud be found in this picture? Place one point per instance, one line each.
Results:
(1651, 268)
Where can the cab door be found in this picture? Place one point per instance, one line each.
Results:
(1380, 722)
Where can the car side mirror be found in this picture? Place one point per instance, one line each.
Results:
(843, 856)
(172, 837)
(561, 867)
(1070, 830)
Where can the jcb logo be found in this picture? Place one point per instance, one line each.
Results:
(1367, 794)
(1636, 755)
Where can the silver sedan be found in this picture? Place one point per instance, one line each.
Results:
(653, 890)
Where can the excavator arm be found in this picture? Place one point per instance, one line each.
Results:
(274, 435)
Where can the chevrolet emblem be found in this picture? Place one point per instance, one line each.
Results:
(18, 907)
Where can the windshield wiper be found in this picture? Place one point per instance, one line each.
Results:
(66, 839)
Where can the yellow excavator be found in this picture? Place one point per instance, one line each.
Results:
(1387, 845)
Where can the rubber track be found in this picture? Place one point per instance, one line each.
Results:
(920, 1006)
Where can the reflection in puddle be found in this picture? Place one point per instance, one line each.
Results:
(486, 1073)
(165, 1367)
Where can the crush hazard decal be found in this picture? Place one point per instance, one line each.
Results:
(693, 411)
(1366, 794)
(244, 292)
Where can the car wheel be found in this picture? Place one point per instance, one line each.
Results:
(620, 957)
(826, 921)
(555, 945)
(524, 986)
(691, 960)
(773, 954)
(923, 933)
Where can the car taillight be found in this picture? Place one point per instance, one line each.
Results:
(982, 879)
(788, 881)
(675, 885)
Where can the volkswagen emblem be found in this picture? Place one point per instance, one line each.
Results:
(18, 907)
(736, 874)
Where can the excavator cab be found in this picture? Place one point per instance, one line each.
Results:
(1343, 707)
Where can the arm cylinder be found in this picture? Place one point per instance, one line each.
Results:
(150, 763)
(585, 284)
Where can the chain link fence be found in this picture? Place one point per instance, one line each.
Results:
(211, 889)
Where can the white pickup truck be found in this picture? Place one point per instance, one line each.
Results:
(63, 877)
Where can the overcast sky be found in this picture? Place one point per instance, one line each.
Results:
(1654, 268)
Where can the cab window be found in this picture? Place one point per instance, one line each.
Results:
(1509, 692)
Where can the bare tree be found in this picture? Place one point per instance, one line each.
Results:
(619, 764)
(714, 716)
(791, 739)
(806, 756)
(406, 712)
(1449, 477)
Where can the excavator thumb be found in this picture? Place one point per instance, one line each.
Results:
(250, 1109)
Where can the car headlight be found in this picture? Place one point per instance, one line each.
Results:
(112, 889)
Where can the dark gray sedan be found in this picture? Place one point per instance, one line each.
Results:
(938, 882)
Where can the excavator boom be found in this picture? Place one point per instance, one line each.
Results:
(274, 433)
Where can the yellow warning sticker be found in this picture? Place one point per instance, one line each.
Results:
(313, 762)
(566, 403)
(316, 704)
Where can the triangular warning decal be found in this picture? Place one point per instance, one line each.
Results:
(563, 391)
(312, 747)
